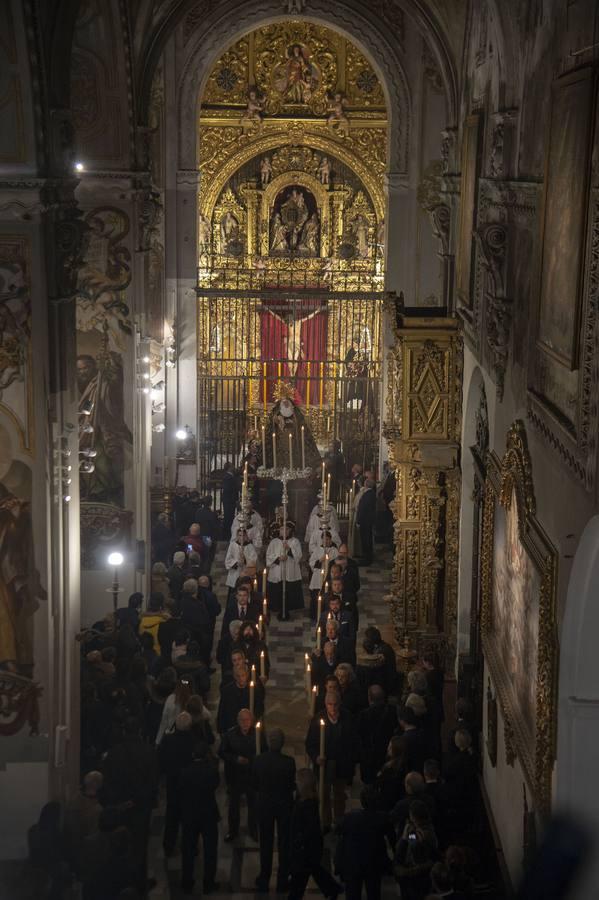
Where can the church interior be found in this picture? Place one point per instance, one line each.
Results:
(299, 420)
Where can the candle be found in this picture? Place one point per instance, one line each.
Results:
(308, 679)
(303, 448)
(262, 664)
(279, 371)
(323, 476)
(318, 638)
(307, 386)
(257, 730)
(313, 694)
(290, 452)
(264, 382)
(319, 613)
(322, 728)
(255, 585)
(256, 424)
(321, 384)
(261, 626)
(245, 476)
(274, 450)
(265, 608)
(328, 424)
(263, 446)
(252, 686)
(264, 581)
(323, 574)
(321, 773)
(253, 673)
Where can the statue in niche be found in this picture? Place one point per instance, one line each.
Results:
(336, 113)
(324, 170)
(265, 171)
(278, 235)
(359, 229)
(204, 234)
(294, 214)
(297, 78)
(229, 233)
(380, 237)
(309, 240)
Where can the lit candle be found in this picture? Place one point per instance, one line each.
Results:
(257, 730)
(319, 613)
(265, 608)
(245, 476)
(264, 581)
(290, 452)
(308, 679)
(263, 446)
(253, 673)
(261, 626)
(274, 450)
(262, 664)
(255, 585)
(303, 448)
(321, 385)
(323, 574)
(313, 695)
(307, 386)
(322, 728)
(252, 697)
(323, 476)
(318, 638)
(321, 773)
(279, 371)
(264, 382)
(328, 487)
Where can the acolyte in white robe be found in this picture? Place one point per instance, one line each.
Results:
(275, 567)
(237, 558)
(318, 555)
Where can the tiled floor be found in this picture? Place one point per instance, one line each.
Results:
(286, 707)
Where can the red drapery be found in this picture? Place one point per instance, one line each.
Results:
(279, 329)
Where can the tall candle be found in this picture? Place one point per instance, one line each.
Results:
(321, 773)
(257, 730)
(319, 613)
(256, 424)
(321, 384)
(262, 664)
(308, 678)
(290, 452)
(279, 371)
(313, 694)
(264, 382)
(245, 476)
(318, 638)
(322, 728)
(323, 477)
(255, 585)
(263, 446)
(328, 424)
(307, 386)
(252, 688)
(328, 487)
(264, 581)
(303, 448)
(261, 626)
(253, 673)
(265, 609)
(274, 450)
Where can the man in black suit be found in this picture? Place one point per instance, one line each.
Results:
(274, 780)
(238, 749)
(365, 519)
(235, 697)
(349, 601)
(229, 496)
(392, 686)
(413, 739)
(240, 607)
(199, 815)
(340, 754)
(346, 651)
(361, 852)
(347, 626)
(375, 726)
(348, 570)
(323, 664)
(207, 519)
(175, 753)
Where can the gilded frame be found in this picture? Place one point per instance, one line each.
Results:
(508, 477)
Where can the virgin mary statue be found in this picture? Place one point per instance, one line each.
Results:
(286, 418)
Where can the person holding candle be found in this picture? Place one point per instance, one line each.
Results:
(319, 560)
(254, 650)
(322, 518)
(240, 556)
(255, 527)
(236, 696)
(323, 663)
(283, 558)
(340, 755)
(348, 570)
(344, 647)
(238, 751)
(274, 780)
(241, 606)
(345, 619)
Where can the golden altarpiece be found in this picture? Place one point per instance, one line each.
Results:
(291, 233)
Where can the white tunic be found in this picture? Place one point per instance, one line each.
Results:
(313, 526)
(237, 559)
(255, 532)
(292, 564)
(318, 555)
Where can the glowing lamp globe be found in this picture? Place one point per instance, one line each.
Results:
(115, 559)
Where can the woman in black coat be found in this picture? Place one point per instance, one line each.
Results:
(306, 842)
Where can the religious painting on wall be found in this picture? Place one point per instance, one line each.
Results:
(471, 152)
(565, 214)
(518, 627)
(103, 330)
(298, 77)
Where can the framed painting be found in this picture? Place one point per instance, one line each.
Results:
(471, 152)
(564, 219)
(518, 627)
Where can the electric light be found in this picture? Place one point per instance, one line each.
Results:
(181, 434)
(115, 559)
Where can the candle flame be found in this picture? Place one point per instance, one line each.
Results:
(322, 723)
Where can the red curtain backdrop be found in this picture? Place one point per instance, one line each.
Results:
(275, 334)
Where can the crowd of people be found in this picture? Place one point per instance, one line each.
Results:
(153, 733)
